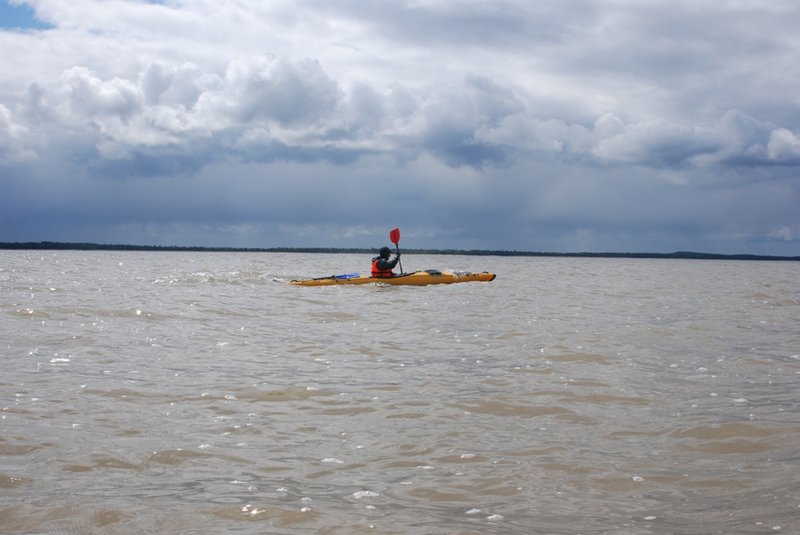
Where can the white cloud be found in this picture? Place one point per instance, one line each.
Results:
(178, 85)
(92, 97)
(785, 234)
(287, 92)
(657, 143)
(783, 146)
(12, 138)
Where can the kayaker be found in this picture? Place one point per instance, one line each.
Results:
(382, 266)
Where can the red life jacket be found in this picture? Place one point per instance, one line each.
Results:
(378, 272)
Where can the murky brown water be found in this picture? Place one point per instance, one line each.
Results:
(191, 393)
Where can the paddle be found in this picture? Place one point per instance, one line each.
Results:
(394, 235)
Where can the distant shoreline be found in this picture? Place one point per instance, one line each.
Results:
(59, 246)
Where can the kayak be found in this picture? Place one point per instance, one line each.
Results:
(415, 278)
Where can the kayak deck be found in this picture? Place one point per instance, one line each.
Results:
(415, 278)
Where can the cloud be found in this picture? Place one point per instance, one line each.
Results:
(657, 143)
(286, 92)
(757, 143)
(90, 96)
(784, 147)
(178, 85)
(296, 108)
(784, 233)
(12, 138)
(173, 106)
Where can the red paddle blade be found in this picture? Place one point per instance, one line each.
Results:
(394, 235)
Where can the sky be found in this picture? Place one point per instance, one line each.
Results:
(555, 125)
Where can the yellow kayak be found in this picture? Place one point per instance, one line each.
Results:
(415, 278)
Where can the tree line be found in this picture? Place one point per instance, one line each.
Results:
(60, 246)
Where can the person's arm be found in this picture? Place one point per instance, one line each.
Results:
(388, 264)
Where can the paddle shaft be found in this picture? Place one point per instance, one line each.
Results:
(398, 257)
(394, 235)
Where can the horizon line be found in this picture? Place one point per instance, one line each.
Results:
(80, 246)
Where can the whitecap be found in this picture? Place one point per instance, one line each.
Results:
(365, 494)
(474, 511)
(332, 460)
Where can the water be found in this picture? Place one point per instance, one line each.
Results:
(193, 393)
